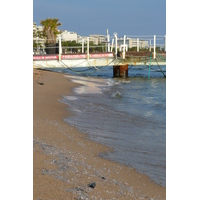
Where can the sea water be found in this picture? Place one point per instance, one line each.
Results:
(128, 115)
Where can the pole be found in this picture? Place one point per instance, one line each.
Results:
(124, 47)
(149, 66)
(137, 44)
(165, 42)
(154, 47)
(116, 45)
(82, 45)
(108, 41)
(115, 34)
(88, 48)
(112, 45)
(150, 45)
(60, 46)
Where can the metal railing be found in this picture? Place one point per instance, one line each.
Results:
(113, 44)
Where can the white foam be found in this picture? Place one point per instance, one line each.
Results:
(116, 94)
(110, 82)
(88, 86)
(87, 90)
(76, 110)
(148, 113)
(71, 98)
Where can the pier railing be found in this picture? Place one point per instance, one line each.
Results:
(40, 46)
(145, 43)
(115, 44)
(119, 52)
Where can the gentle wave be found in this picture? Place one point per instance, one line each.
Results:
(128, 115)
(116, 95)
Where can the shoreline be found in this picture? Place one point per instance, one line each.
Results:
(65, 161)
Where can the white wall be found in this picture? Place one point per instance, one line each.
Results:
(69, 36)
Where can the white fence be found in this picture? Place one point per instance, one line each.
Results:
(114, 43)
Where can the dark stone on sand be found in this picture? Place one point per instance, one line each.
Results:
(92, 185)
(40, 83)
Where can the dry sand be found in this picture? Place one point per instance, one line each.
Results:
(65, 161)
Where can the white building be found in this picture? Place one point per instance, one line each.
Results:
(69, 36)
(37, 28)
(38, 41)
(97, 39)
(40, 28)
(143, 44)
(34, 26)
(94, 40)
(80, 38)
(132, 42)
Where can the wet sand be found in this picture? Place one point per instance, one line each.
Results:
(65, 161)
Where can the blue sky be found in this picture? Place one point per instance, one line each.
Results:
(129, 17)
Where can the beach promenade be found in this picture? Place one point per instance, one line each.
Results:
(66, 163)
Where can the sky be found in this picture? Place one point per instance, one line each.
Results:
(127, 17)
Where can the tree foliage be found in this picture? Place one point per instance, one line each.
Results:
(70, 43)
(50, 30)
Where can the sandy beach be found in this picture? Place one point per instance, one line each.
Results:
(66, 164)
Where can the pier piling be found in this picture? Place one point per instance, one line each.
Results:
(120, 71)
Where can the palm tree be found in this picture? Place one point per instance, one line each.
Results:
(50, 30)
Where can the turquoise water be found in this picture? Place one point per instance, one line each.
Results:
(128, 115)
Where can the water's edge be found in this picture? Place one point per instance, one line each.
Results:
(107, 154)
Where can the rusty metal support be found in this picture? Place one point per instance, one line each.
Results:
(120, 71)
